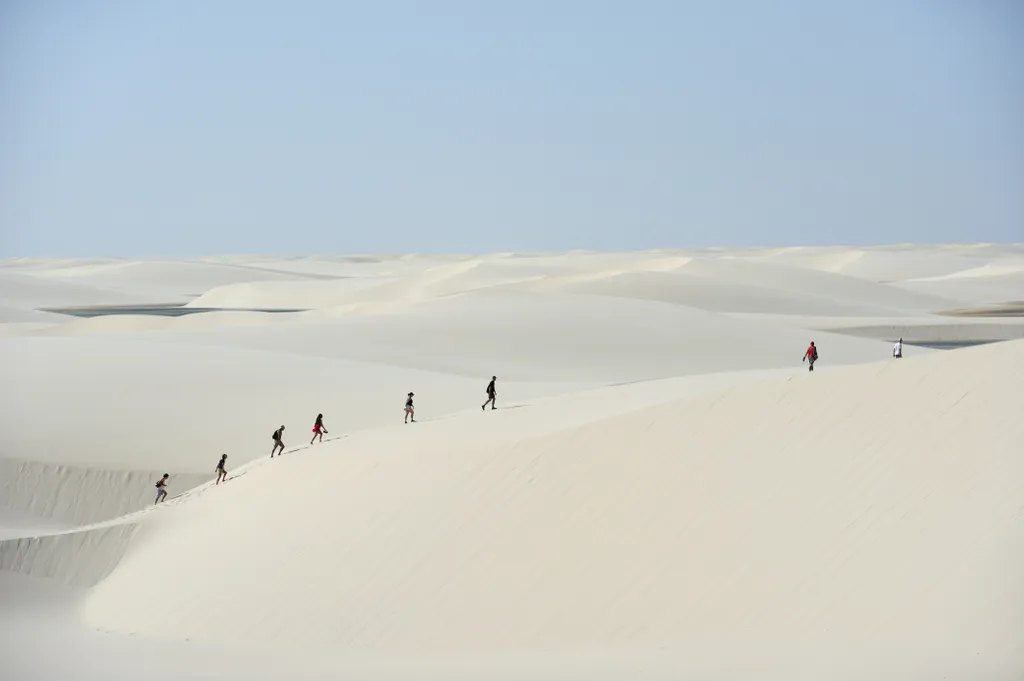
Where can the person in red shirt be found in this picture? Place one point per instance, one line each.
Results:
(318, 429)
(811, 356)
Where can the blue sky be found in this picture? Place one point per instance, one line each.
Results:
(161, 128)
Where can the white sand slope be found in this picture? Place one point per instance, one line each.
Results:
(158, 280)
(855, 502)
(28, 292)
(665, 492)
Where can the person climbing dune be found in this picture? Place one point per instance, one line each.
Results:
(410, 411)
(318, 429)
(221, 470)
(278, 443)
(161, 488)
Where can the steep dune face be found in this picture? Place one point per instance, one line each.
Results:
(876, 502)
(79, 495)
(78, 558)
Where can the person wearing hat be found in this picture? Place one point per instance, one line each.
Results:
(410, 413)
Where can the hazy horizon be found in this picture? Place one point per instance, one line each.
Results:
(517, 252)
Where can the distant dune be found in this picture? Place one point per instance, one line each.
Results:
(665, 490)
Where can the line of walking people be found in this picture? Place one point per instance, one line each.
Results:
(319, 430)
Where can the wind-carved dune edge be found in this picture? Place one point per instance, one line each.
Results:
(78, 558)
(80, 495)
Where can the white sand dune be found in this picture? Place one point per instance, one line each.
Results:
(415, 542)
(29, 291)
(164, 280)
(22, 315)
(724, 294)
(890, 263)
(283, 295)
(580, 338)
(665, 491)
(974, 290)
(415, 282)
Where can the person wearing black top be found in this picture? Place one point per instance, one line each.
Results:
(410, 412)
(161, 488)
(278, 434)
(222, 473)
(491, 393)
